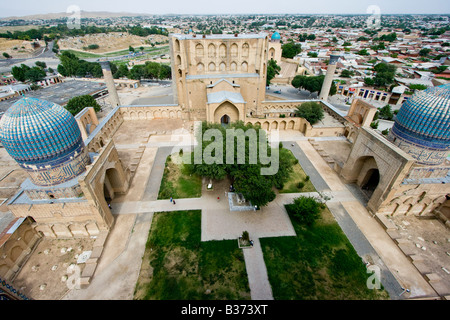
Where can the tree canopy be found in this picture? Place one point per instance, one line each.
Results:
(71, 66)
(76, 104)
(150, 70)
(290, 49)
(312, 83)
(24, 73)
(384, 75)
(272, 70)
(311, 111)
(243, 171)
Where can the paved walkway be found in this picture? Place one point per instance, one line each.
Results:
(258, 280)
(365, 234)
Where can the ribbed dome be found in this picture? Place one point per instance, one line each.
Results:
(276, 36)
(425, 118)
(34, 131)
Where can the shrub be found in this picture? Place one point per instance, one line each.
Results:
(300, 185)
(245, 236)
(305, 210)
(307, 178)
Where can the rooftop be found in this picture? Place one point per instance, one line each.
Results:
(59, 93)
(220, 36)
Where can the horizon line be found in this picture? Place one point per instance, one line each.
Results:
(226, 13)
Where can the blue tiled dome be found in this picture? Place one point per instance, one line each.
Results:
(35, 131)
(276, 36)
(424, 121)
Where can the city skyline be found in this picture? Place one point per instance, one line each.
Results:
(27, 7)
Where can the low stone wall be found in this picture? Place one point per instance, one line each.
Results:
(171, 111)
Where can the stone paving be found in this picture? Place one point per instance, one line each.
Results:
(218, 222)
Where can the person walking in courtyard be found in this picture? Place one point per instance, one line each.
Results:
(173, 201)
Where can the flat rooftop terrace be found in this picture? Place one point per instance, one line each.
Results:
(59, 93)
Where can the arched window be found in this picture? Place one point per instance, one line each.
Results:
(222, 66)
(222, 51)
(234, 50)
(244, 66)
(245, 50)
(199, 50)
(212, 67)
(212, 51)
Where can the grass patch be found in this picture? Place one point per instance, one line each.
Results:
(177, 265)
(297, 176)
(178, 183)
(318, 264)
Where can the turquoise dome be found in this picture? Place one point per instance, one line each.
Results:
(423, 121)
(36, 131)
(276, 36)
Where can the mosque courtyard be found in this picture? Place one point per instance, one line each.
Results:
(119, 267)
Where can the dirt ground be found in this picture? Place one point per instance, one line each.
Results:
(11, 175)
(336, 149)
(108, 42)
(431, 240)
(23, 48)
(45, 276)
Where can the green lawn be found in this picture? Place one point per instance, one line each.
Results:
(298, 175)
(318, 264)
(177, 183)
(178, 266)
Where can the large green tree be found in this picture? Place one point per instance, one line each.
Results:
(384, 74)
(240, 159)
(312, 83)
(311, 111)
(272, 70)
(71, 66)
(19, 72)
(76, 104)
(290, 49)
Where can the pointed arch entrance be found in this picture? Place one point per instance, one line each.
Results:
(225, 120)
(226, 113)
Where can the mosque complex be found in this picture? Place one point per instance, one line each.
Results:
(82, 172)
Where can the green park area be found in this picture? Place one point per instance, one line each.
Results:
(178, 183)
(318, 264)
(298, 180)
(178, 266)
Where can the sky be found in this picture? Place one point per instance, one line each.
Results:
(28, 7)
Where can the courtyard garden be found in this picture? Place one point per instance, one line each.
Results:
(318, 264)
(178, 183)
(298, 180)
(178, 266)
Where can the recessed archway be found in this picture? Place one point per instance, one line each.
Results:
(226, 109)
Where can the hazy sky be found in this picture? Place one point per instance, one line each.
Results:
(26, 7)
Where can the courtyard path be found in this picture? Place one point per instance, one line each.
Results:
(365, 234)
(258, 280)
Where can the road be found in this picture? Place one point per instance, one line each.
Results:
(291, 93)
(45, 54)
